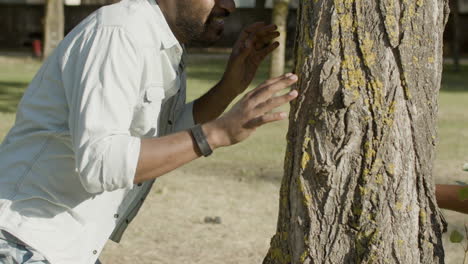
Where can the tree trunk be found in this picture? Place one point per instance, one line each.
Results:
(279, 17)
(358, 184)
(53, 26)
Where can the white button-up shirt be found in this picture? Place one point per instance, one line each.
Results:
(67, 165)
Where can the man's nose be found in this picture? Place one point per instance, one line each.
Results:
(228, 5)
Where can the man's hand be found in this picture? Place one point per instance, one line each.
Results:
(253, 45)
(252, 111)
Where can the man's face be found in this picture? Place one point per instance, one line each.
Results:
(201, 21)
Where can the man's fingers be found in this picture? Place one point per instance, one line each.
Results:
(260, 28)
(246, 32)
(263, 110)
(274, 80)
(255, 36)
(266, 118)
(266, 83)
(271, 35)
(254, 27)
(265, 91)
(267, 35)
(253, 43)
(276, 101)
(264, 30)
(250, 43)
(267, 31)
(267, 50)
(262, 42)
(258, 31)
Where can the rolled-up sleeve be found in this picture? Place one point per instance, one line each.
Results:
(101, 77)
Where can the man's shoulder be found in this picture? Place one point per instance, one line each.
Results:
(136, 17)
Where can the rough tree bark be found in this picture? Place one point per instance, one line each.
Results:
(279, 17)
(358, 185)
(53, 26)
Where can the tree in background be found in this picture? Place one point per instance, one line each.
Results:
(260, 4)
(53, 26)
(279, 17)
(455, 33)
(358, 185)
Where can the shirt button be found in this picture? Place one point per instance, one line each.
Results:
(94, 252)
(116, 216)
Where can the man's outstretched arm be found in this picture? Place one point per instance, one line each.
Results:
(447, 198)
(161, 155)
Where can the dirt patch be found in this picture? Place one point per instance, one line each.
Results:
(171, 227)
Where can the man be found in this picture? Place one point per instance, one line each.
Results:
(106, 115)
(448, 198)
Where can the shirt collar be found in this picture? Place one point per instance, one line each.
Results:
(168, 39)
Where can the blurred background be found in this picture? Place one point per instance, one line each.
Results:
(222, 209)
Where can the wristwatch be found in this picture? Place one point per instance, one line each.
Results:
(200, 139)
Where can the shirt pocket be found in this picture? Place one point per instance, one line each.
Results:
(146, 113)
(171, 80)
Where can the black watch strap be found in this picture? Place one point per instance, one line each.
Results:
(201, 141)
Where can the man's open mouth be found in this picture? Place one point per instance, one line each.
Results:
(217, 18)
(217, 21)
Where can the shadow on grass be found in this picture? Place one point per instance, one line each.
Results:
(453, 81)
(10, 95)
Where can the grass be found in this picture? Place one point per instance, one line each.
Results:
(452, 126)
(15, 74)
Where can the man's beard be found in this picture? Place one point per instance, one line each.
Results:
(194, 31)
(189, 28)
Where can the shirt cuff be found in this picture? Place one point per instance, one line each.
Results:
(115, 168)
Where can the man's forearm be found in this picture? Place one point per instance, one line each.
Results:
(213, 103)
(162, 155)
(447, 198)
(159, 156)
